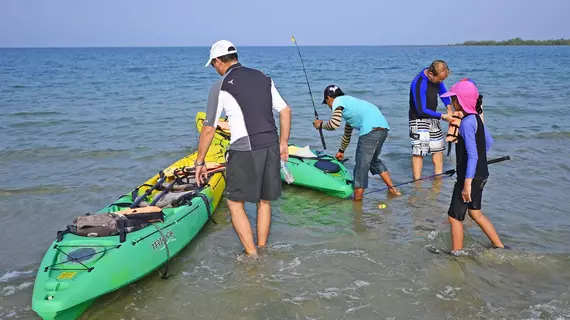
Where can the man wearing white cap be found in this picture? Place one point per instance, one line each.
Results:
(248, 98)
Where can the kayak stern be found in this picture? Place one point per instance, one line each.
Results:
(321, 172)
(52, 309)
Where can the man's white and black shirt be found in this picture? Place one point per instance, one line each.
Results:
(248, 98)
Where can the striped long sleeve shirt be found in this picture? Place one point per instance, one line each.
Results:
(334, 123)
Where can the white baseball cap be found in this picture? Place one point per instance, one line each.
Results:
(220, 48)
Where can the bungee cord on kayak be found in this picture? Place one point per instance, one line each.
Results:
(79, 259)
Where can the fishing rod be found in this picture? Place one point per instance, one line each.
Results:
(310, 93)
(446, 173)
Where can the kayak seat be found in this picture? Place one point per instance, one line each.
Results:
(327, 166)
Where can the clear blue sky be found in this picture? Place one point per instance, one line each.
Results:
(56, 23)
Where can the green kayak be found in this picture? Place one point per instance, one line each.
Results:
(319, 171)
(79, 267)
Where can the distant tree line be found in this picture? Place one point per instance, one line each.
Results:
(518, 42)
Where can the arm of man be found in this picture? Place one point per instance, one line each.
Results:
(281, 106)
(284, 131)
(345, 141)
(334, 122)
(213, 113)
(446, 100)
(419, 92)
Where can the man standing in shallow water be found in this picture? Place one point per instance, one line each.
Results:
(424, 126)
(373, 130)
(248, 98)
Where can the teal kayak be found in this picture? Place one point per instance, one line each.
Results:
(319, 171)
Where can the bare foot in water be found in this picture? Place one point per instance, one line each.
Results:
(388, 181)
(394, 191)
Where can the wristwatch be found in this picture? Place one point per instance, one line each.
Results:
(199, 164)
(443, 116)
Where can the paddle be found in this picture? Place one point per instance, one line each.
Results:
(148, 191)
(180, 175)
(310, 93)
(170, 172)
(448, 172)
(152, 208)
(185, 171)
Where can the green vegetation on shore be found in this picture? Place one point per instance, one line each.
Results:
(517, 42)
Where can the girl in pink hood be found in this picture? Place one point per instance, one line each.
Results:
(471, 148)
(454, 124)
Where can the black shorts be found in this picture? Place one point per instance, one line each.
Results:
(253, 175)
(458, 208)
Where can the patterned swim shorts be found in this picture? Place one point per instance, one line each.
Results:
(426, 136)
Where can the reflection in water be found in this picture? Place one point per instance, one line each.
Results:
(358, 225)
(436, 186)
(424, 208)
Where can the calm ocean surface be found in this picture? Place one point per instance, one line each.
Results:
(79, 127)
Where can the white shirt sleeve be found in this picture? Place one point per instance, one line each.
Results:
(278, 102)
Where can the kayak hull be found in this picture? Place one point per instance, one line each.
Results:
(67, 314)
(68, 289)
(76, 270)
(323, 173)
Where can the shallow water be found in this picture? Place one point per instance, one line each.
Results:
(82, 126)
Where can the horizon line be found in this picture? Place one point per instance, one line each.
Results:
(464, 43)
(208, 46)
(273, 46)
